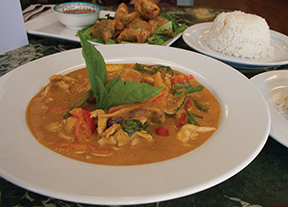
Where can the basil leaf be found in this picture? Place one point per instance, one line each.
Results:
(96, 69)
(101, 94)
(125, 92)
(112, 83)
(95, 63)
(116, 92)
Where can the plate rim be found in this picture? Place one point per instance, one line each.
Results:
(145, 170)
(258, 80)
(233, 61)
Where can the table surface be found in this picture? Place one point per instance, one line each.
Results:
(264, 182)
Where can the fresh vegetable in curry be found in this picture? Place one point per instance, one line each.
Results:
(122, 114)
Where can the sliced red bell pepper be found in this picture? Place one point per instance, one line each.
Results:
(181, 78)
(85, 125)
(82, 130)
(77, 112)
(162, 131)
(187, 104)
(57, 108)
(89, 120)
(182, 121)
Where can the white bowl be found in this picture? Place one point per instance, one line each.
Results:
(74, 15)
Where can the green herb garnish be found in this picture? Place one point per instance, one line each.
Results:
(116, 92)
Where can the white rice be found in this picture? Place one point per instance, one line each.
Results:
(240, 35)
(282, 105)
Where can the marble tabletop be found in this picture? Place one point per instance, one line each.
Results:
(264, 182)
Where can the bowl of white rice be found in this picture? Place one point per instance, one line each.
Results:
(240, 35)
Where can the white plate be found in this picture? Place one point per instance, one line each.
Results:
(48, 25)
(273, 85)
(237, 141)
(196, 35)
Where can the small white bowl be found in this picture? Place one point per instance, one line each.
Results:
(74, 15)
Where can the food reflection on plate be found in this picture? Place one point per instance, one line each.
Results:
(122, 114)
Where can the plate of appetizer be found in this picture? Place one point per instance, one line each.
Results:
(112, 27)
(274, 87)
(158, 101)
(197, 37)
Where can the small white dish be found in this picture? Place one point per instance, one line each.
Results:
(196, 35)
(77, 15)
(236, 142)
(273, 85)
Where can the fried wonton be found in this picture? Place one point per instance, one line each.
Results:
(138, 30)
(147, 8)
(160, 21)
(122, 13)
(107, 29)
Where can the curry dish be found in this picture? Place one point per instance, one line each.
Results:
(177, 120)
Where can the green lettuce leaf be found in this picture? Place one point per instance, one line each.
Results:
(177, 28)
(87, 34)
(167, 26)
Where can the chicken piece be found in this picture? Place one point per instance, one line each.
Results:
(114, 135)
(142, 116)
(131, 107)
(54, 126)
(158, 80)
(149, 80)
(147, 8)
(121, 137)
(122, 13)
(46, 91)
(69, 123)
(142, 134)
(138, 30)
(160, 21)
(101, 121)
(66, 137)
(83, 87)
(107, 29)
(190, 131)
(167, 81)
(135, 141)
(107, 141)
(62, 81)
(111, 130)
(130, 74)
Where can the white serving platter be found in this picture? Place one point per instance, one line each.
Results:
(242, 133)
(48, 25)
